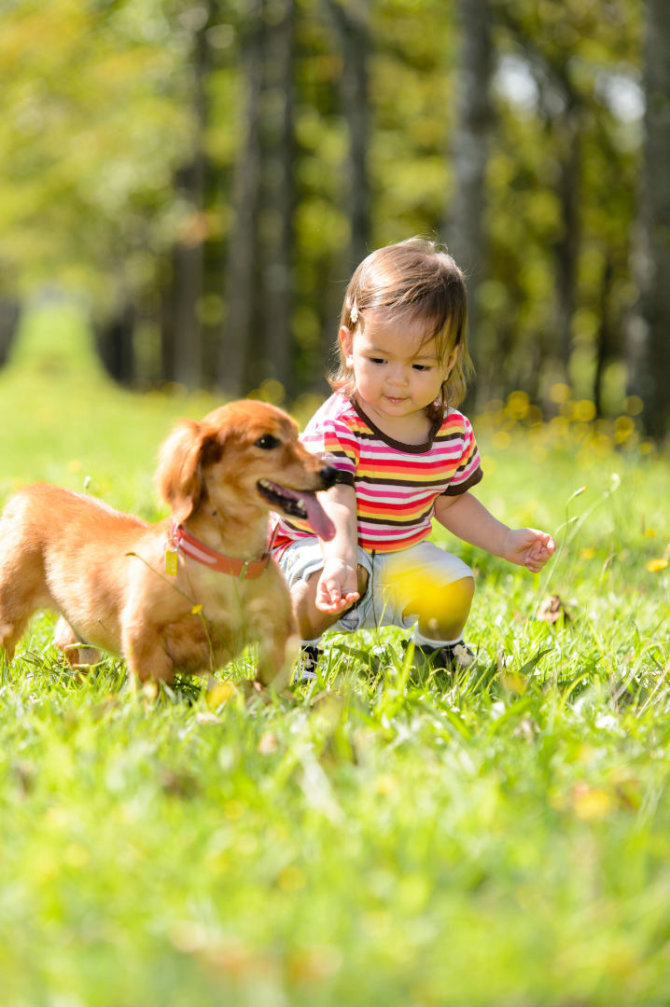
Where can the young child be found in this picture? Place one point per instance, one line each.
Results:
(405, 456)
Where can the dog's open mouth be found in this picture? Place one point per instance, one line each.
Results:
(302, 505)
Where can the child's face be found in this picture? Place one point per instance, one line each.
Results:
(396, 372)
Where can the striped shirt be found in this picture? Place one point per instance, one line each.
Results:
(396, 484)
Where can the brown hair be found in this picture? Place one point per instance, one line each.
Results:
(416, 278)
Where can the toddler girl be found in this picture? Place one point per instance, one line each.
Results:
(405, 456)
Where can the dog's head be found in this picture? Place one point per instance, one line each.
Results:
(244, 457)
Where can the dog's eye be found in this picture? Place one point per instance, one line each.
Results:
(267, 442)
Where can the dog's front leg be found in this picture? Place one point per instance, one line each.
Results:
(276, 655)
(145, 654)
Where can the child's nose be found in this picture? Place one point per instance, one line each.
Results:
(397, 375)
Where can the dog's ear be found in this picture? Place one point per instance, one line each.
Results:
(179, 475)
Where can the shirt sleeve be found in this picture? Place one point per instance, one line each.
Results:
(469, 470)
(331, 438)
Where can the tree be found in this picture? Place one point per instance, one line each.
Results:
(353, 33)
(465, 228)
(240, 278)
(188, 284)
(278, 191)
(649, 342)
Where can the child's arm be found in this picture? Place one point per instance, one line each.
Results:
(337, 588)
(469, 519)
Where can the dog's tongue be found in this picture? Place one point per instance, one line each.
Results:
(318, 518)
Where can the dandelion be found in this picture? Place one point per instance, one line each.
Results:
(559, 393)
(656, 565)
(584, 411)
(591, 804)
(220, 694)
(634, 405)
(587, 553)
(518, 405)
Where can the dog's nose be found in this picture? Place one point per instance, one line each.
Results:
(328, 476)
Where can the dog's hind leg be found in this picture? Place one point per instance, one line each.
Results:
(79, 655)
(11, 631)
(16, 608)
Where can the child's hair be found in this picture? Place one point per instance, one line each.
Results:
(414, 279)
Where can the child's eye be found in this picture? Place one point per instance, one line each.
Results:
(376, 360)
(421, 367)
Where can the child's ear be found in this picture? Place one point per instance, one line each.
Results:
(452, 360)
(346, 344)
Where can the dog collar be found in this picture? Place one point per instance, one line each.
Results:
(182, 541)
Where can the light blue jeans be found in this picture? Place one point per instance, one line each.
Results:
(394, 580)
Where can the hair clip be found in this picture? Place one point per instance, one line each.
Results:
(353, 314)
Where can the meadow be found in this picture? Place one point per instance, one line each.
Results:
(499, 837)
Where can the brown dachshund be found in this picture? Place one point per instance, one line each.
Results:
(186, 594)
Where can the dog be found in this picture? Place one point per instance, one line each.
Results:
(186, 594)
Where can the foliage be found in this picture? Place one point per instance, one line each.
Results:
(385, 836)
(95, 126)
(104, 124)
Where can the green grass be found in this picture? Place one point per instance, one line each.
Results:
(500, 838)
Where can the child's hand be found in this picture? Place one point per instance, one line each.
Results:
(529, 547)
(337, 588)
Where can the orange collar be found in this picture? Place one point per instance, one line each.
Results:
(184, 542)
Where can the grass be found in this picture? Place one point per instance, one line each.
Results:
(499, 838)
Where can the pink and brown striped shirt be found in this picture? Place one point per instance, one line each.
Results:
(396, 484)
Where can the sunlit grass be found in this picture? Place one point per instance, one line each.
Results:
(388, 835)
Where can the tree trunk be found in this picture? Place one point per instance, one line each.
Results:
(351, 25)
(567, 246)
(275, 359)
(115, 342)
(465, 226)
(9, 321)
(188, 253)
(240, 279)
(649, 335)
(604, 337)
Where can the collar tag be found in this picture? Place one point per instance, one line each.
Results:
(171, 560)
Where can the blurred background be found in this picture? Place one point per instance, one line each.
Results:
(201, 178)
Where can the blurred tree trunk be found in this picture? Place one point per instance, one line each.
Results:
(605, 335)
(115, 341)
(276, 225)
(649, 334)
(9, 320)
(351, 24)
(465, 225)
(566, 249)
(240, 279)
(188, 252)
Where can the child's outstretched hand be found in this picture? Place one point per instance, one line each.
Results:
(337, 588)
(529, 547)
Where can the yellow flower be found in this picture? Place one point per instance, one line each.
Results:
(587, 553)
(220, 694)
(656, 565)
(591, 804)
